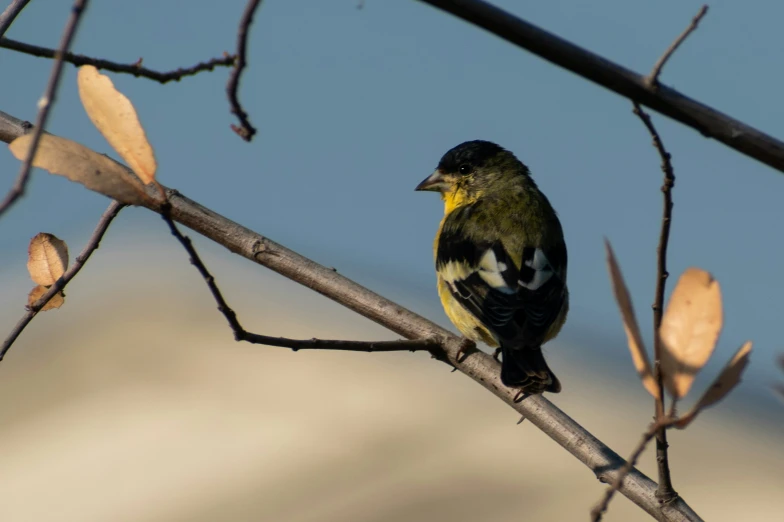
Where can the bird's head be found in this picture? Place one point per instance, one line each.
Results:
(469, 170)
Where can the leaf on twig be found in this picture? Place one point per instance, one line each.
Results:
(689, 330)
(636, 346)
(115, 117)
(721, 386)
(55, 302)
(78, 163)
(47, 258)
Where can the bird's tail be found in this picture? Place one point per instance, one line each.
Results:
(525, 368)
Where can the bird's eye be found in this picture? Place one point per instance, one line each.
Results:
(465, 168)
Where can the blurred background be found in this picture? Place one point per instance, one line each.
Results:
(133, 402)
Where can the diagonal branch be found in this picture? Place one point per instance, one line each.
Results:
(481, 367)
(665, 100)
(240, 334)
(135, 69)
(245, 130)
(653, 429)
(45, 104)
(92, 245)
(10, 13)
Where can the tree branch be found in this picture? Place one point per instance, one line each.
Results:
(665, 100)
(665, 492)
(10, 13)
(481, 367)
(653, 429)
(44, 104)
(92, 245)
(135, 69)
(240, 334)
(245, 130)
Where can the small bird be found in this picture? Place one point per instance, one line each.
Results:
(501, 259)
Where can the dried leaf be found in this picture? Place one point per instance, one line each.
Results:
(689, 330)
(36, 293)
(636, 346)
(82, 165)
(721, 386)
(115, 117)
(47, 258)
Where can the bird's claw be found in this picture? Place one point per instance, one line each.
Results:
(497, 354)
(466, 345)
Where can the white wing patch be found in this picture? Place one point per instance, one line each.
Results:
(455, 271)
(491, 272)
(542, 271)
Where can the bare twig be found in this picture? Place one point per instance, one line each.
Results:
(10, 13)
(601, 506)
(665, 100)
(92, 245)
(44, 104)
(240, 334)
(665, 491)
(245, 130)
(653, 78)
(133, 68)
(480, 367)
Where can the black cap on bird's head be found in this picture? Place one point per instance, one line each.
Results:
(473, 154)
(466, 159)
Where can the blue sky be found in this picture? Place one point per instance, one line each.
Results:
(355, 106)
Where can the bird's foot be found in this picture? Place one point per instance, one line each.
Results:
(520, 396)
(497, 355)
(466, 345)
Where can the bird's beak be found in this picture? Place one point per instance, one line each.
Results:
(435, 182)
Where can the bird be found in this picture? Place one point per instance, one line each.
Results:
(501, 260)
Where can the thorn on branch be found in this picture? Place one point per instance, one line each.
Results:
(245, 130)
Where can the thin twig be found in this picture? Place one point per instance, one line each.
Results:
(601, 506)
(44, 104)
(10, 13)
(653, 78)
(480, 367)
(245, 130)
(240, 334)
(665, 492)
(92, 245)
(133, 68)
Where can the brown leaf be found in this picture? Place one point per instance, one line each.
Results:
(47, 258)
(82, 165)
(689, 330)
(722, 385)
(36, 293)
(115, 117)
(636, 346)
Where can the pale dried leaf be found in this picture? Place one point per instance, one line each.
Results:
(82, 165)
(722, 385)
(115, 117)
(36, 293)
(47, 258)
(690, 329)
(636, 346)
